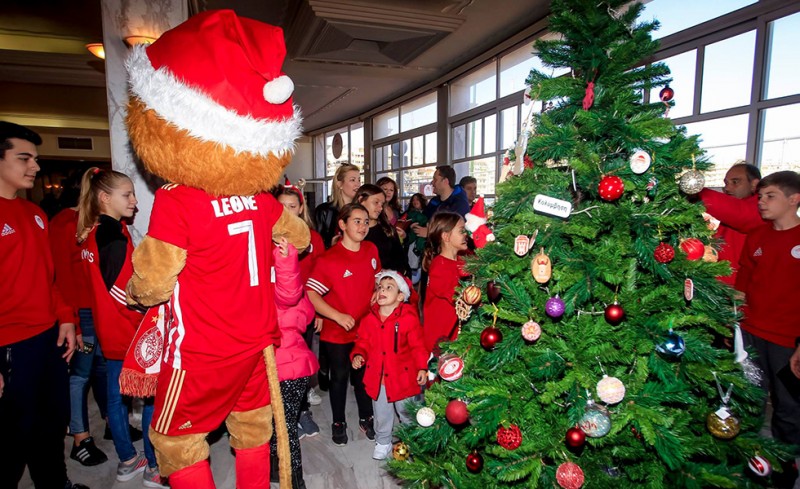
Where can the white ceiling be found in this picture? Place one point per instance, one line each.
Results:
(345, 57)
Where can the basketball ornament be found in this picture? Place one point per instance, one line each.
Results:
(640, 161)
(541, 267)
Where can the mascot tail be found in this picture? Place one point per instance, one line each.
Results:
(279, 417)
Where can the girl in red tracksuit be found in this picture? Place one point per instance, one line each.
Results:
(107, 197)
(296, 362)
(446, 238)
(390, 343)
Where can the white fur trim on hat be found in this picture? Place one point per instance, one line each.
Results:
(205, 119)
(279, 90)
(402, 285)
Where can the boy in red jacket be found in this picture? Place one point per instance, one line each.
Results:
(390, 343)
(769, 276)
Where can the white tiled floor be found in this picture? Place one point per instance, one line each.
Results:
(325, 465)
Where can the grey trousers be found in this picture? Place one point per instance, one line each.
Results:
(384, 412)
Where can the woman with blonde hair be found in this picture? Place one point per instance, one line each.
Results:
(346, 181)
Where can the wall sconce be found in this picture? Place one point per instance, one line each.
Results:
(134, 40)
(96, 48)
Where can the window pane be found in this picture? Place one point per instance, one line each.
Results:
(780, 146)
(473, 90)
(418, 180)
(380, 159)
(320, 168)
(430, 148)
(515, 68)
(509, 129)
(490, 134)
(333, 162)
(357, 144)
(783, 71)
(683, 68)
(417, 151)
(400, 153)
(459, 141)
(386, 124)
(728, 73)
(672, 14)
(474, 137)
(724, 141)
(484, 170)
(418, 113)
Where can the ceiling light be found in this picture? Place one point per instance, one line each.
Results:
(134, 40)
(96, 48)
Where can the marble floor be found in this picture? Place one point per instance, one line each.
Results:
(325, 465)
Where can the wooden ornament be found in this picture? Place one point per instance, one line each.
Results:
(541, 267)
(710, 254)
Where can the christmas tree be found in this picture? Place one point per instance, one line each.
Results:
(589, 359)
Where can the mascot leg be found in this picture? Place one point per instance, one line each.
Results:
(250, 433)
(184, 459)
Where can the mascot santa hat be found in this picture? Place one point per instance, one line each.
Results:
(476, 224)
(211, 113)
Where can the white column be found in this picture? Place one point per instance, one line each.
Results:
(123, 18)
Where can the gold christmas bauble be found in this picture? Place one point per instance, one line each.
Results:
(400, 451)
(725, 427)
(471, 295)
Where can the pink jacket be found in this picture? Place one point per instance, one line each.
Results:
(295, 312)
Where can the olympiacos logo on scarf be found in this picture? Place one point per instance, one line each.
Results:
(149, 347)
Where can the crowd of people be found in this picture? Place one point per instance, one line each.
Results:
(377, 285)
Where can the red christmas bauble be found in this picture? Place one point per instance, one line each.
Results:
(666, 94)
(610, 188)
(569, 475)
(614, 314)
(493, 292)
(490, 337)
(694, 248)
(575, 437)
(471, 295)
(456, 412)
(474, 462)
(664, 253)
(509, 438)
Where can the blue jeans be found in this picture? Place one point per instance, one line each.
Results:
(118, 419)
(86, 367)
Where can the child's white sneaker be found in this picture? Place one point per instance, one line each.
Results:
(381, 451)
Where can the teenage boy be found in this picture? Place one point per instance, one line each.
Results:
(37, 332)
(769, 276)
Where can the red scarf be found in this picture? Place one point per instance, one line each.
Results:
(143, 360)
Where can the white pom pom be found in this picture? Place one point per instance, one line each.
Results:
(279, 90)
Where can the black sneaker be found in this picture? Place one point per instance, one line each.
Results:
(367, 426)
(339, 434)
(70, 485)
(87, 453)
(136, 434)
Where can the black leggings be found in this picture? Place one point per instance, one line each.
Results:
(340, 369)
(292, 392)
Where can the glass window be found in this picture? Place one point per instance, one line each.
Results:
(459, 142)
(683, 68)
(728, 73)
(400, 154)
(780, 143)
(724, 141)
(477, 88)
(514, 69)
(475, 138)
(386, 124)
(509, 126)
(490, 134)
(430, 148)
(357, 145)
(418, 180)
(484, 170)
(418, 151)
(677, 15)
(418, 113)
(333, 161)
(783, 71)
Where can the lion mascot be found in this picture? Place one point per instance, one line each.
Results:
(211, 113)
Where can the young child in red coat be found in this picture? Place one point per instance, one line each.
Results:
(390, 343)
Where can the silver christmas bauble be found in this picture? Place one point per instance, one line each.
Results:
(692, 182)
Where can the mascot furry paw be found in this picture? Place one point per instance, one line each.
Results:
(476, 225)
(212, 114)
